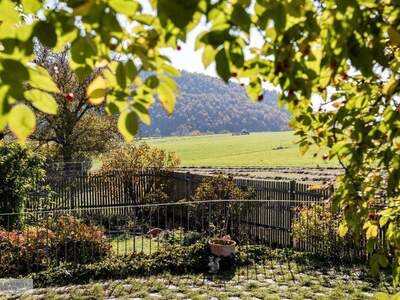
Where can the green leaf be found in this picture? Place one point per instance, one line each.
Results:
(127, 125)
(130, 70)
(240, 18)
(42, 101)
(83, 48)
(4, 106)
(125, 7)
(16, 70)
(254, 89)
(152, 81)
(31, 6)
(170, 82)
(208, 55)
(21, 121)
(83, 8)
(167, 97)
(236, 55)
(121, 75)
(171, 70)
(278, 14)
(216, 36)
(41, 79)
(178, 11)
(222, 65)
(394, 36)
(46, 33)
(383, 220)
(142, 112)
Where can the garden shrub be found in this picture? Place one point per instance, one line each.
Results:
(315, 227)
(173, 259)
(138, 157)
(22, 252)
(220, 187)
(21, 171)
(64, 239)
(77, 242)
(223, 214)
(131, 160)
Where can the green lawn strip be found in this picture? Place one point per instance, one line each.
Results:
(122, 245)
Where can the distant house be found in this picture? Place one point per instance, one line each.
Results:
(242, 132)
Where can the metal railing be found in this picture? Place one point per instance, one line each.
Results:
(35, 240)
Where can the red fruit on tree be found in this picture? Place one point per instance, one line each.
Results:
(69, 97)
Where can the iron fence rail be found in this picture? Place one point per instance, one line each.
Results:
(148, 227)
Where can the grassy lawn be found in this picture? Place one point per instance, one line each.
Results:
(256, 149)
(126, 246)
(275, 280)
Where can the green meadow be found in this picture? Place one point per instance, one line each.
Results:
(269, 149)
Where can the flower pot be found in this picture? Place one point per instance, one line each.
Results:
(219, 247)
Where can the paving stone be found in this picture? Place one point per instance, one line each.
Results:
(269, 280)
(171, 287)
(180, 295)
(155, 295)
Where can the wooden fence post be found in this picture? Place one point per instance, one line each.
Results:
(187, 185)
(292, 190)
(292, 197)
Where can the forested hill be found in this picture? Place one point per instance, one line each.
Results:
(208, 105)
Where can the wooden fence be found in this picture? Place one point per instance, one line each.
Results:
(185, 184)
(122, 188)
(90, 191)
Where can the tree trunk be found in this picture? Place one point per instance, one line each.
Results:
(66, 152)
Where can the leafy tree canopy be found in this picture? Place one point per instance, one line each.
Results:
(346, 52)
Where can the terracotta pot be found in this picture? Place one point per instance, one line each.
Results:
(218, 249)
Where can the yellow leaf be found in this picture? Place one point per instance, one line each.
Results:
(372, 232)
(42, 101)
(314, 187)
(381, 296)
(127, 125)
(396, 143)
(390, 86)
(41, 79)
(96, 91)
(342, 230)
(22, 122)
(167, 97)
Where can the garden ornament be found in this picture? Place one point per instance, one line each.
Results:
(214, 264)
(154, 232)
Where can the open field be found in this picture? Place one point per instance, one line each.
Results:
(257, 149)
